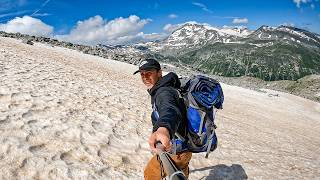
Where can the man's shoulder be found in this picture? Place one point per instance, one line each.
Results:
(167, 89)
(166, 93)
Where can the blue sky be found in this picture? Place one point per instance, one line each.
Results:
(60, 18)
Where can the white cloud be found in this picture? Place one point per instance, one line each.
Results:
(169, 28)
(27, 25)
(153, 36)
(240, 21)
(172, 16)
(117, 31)
(202, 6)
(299, 2)
(140, 37)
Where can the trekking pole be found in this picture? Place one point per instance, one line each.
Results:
(172, 171)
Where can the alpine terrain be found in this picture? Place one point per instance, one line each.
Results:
(65, 114)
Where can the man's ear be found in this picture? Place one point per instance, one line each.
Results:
(160, 73)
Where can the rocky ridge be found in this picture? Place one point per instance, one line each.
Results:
(304, 87)
(269, 53)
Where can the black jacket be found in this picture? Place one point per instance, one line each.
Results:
(170, 107)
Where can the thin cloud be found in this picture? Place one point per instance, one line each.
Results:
(14, 13)
(8, 16)
(240, 21)
(10, 4)
(41, 14)
(312, 6)
(299, 2)
(173, 16)
(42, 6)
(307, 24)
(202, 6)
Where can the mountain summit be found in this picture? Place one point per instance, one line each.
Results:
(269, 53)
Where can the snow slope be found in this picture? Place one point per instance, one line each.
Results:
(68, 115)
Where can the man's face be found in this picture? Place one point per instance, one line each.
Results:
(150, 77)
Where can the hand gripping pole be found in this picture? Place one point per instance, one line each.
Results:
(171, 170)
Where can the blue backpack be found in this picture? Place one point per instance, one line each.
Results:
(202, 96)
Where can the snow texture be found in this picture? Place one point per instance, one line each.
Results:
(68, 115)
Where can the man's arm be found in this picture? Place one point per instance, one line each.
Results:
(169, 117)
(162, 135)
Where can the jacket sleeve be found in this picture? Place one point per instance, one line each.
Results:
(167, 104)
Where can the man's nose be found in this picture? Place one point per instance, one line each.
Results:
(145, 76)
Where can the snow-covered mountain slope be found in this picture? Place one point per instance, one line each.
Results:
(68, 115)
(236, 31)
(290, 35)
(195, 35)
(269, 53)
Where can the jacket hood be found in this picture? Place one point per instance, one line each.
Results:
(169, 80)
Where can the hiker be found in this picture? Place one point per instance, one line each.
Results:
(167, 120)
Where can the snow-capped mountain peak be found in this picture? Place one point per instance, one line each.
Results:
(287, 34)
(226, 30)
(236, 31)
(190, 36)
(194, 34)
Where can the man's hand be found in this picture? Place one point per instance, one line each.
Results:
(162, 135)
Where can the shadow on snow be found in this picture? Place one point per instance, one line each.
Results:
(224, 172)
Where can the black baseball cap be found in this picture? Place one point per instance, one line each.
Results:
(148, 64)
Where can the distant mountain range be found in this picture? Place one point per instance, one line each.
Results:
(268, 53)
